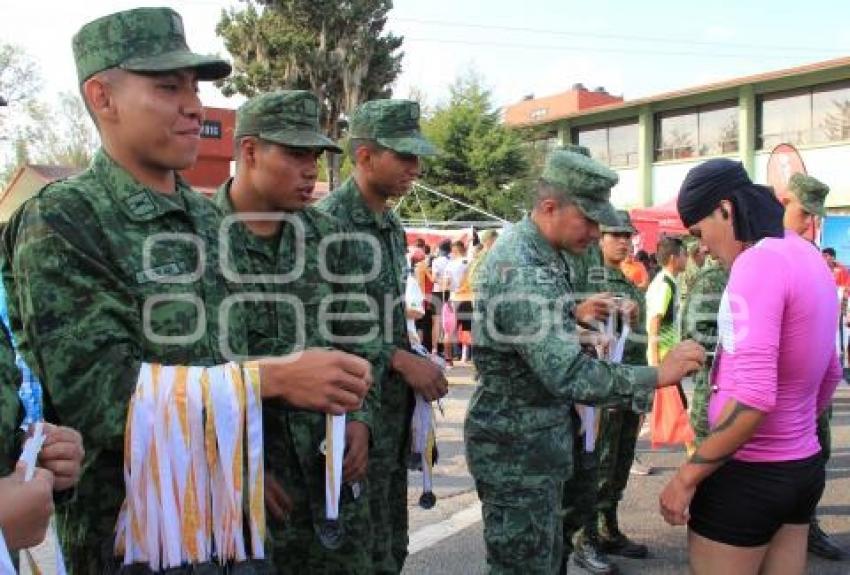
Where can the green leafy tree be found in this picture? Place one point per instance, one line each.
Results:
(481, 162)
(336, 49)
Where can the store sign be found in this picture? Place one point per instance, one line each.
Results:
(211, 129)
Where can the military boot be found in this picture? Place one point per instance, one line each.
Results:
(614, 542)
(587, 556)
(820, 545)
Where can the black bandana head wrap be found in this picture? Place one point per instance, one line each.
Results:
(757, 212)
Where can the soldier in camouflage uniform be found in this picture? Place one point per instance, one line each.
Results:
(696, 261)
(120, 265)
(594, 491)
(699, 322)
(803, 204)
(278, 142)
(386, 146)
(519, 429)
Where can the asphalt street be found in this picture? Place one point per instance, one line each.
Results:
(448, 538)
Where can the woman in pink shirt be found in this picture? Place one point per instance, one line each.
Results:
(750, 489)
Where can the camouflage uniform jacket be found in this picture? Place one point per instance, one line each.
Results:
(530, 364)
(602, 278)
(320, 292)
(699, 322)
(104, 273)
(385, 267)
(10, 406)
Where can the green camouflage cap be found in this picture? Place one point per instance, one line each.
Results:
(288, 117)
(140, 40)
(625, 226)
(393, 124)
(810, 191)
(587, 182)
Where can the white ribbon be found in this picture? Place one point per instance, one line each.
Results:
(193, 451)
(6, 566)
(615, 350)
(424, 439)
(334, 450)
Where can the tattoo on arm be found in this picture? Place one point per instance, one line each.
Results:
(737, 410)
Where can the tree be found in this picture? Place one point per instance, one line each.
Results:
(19, 83)
(836, 123)
(66, 136)
(481, 162)
(336, 49)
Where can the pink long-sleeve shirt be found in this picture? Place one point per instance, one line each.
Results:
(777, 323)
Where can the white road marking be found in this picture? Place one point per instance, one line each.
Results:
(432, 534)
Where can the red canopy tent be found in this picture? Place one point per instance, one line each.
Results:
(656, 221)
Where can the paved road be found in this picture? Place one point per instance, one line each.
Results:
(462, 553)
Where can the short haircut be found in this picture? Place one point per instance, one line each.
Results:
(668, 247)
(109, 76)
(446, 246)
(828, 252)
(546, 191)
(356, 143)
(420, 242)
(458, 244)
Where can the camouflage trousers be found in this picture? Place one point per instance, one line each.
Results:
(599, 478)
(300, 466)
(523, 524)
(615, 448)
(388, 477)
(580, 497)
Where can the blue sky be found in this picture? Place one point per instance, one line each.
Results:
(518, 47)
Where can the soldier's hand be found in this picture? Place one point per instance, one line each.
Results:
(25, 507)
(356, 451)
(421, 374)
(323, 380)
(681, 361)
(278, 501)
(62, 454)
(630, 309)
(595, 308)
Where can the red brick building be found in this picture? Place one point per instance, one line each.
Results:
(547, 109)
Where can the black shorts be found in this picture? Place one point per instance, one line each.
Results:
(744, 504)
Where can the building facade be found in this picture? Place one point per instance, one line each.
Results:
(653, 142)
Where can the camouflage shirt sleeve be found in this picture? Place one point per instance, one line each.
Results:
(355, 324)
(699, 310)
(10, 412)
(538, 318)
(79, 326)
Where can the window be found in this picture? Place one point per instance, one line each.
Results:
(595, 140)
(701, 131)
(831, 113)
(623, 144)
(808, 116)
(677, 133)
(614, 144)
(538, 113)
(786, 118)
(718, 130)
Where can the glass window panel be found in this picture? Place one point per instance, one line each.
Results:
(677, 135)
(831, 113)
(718, 130)
(623, 144)
(786, 119)
(595, 140)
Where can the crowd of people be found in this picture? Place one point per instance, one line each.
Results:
(228, 386)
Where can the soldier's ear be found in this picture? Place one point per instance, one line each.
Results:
(99, 96)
